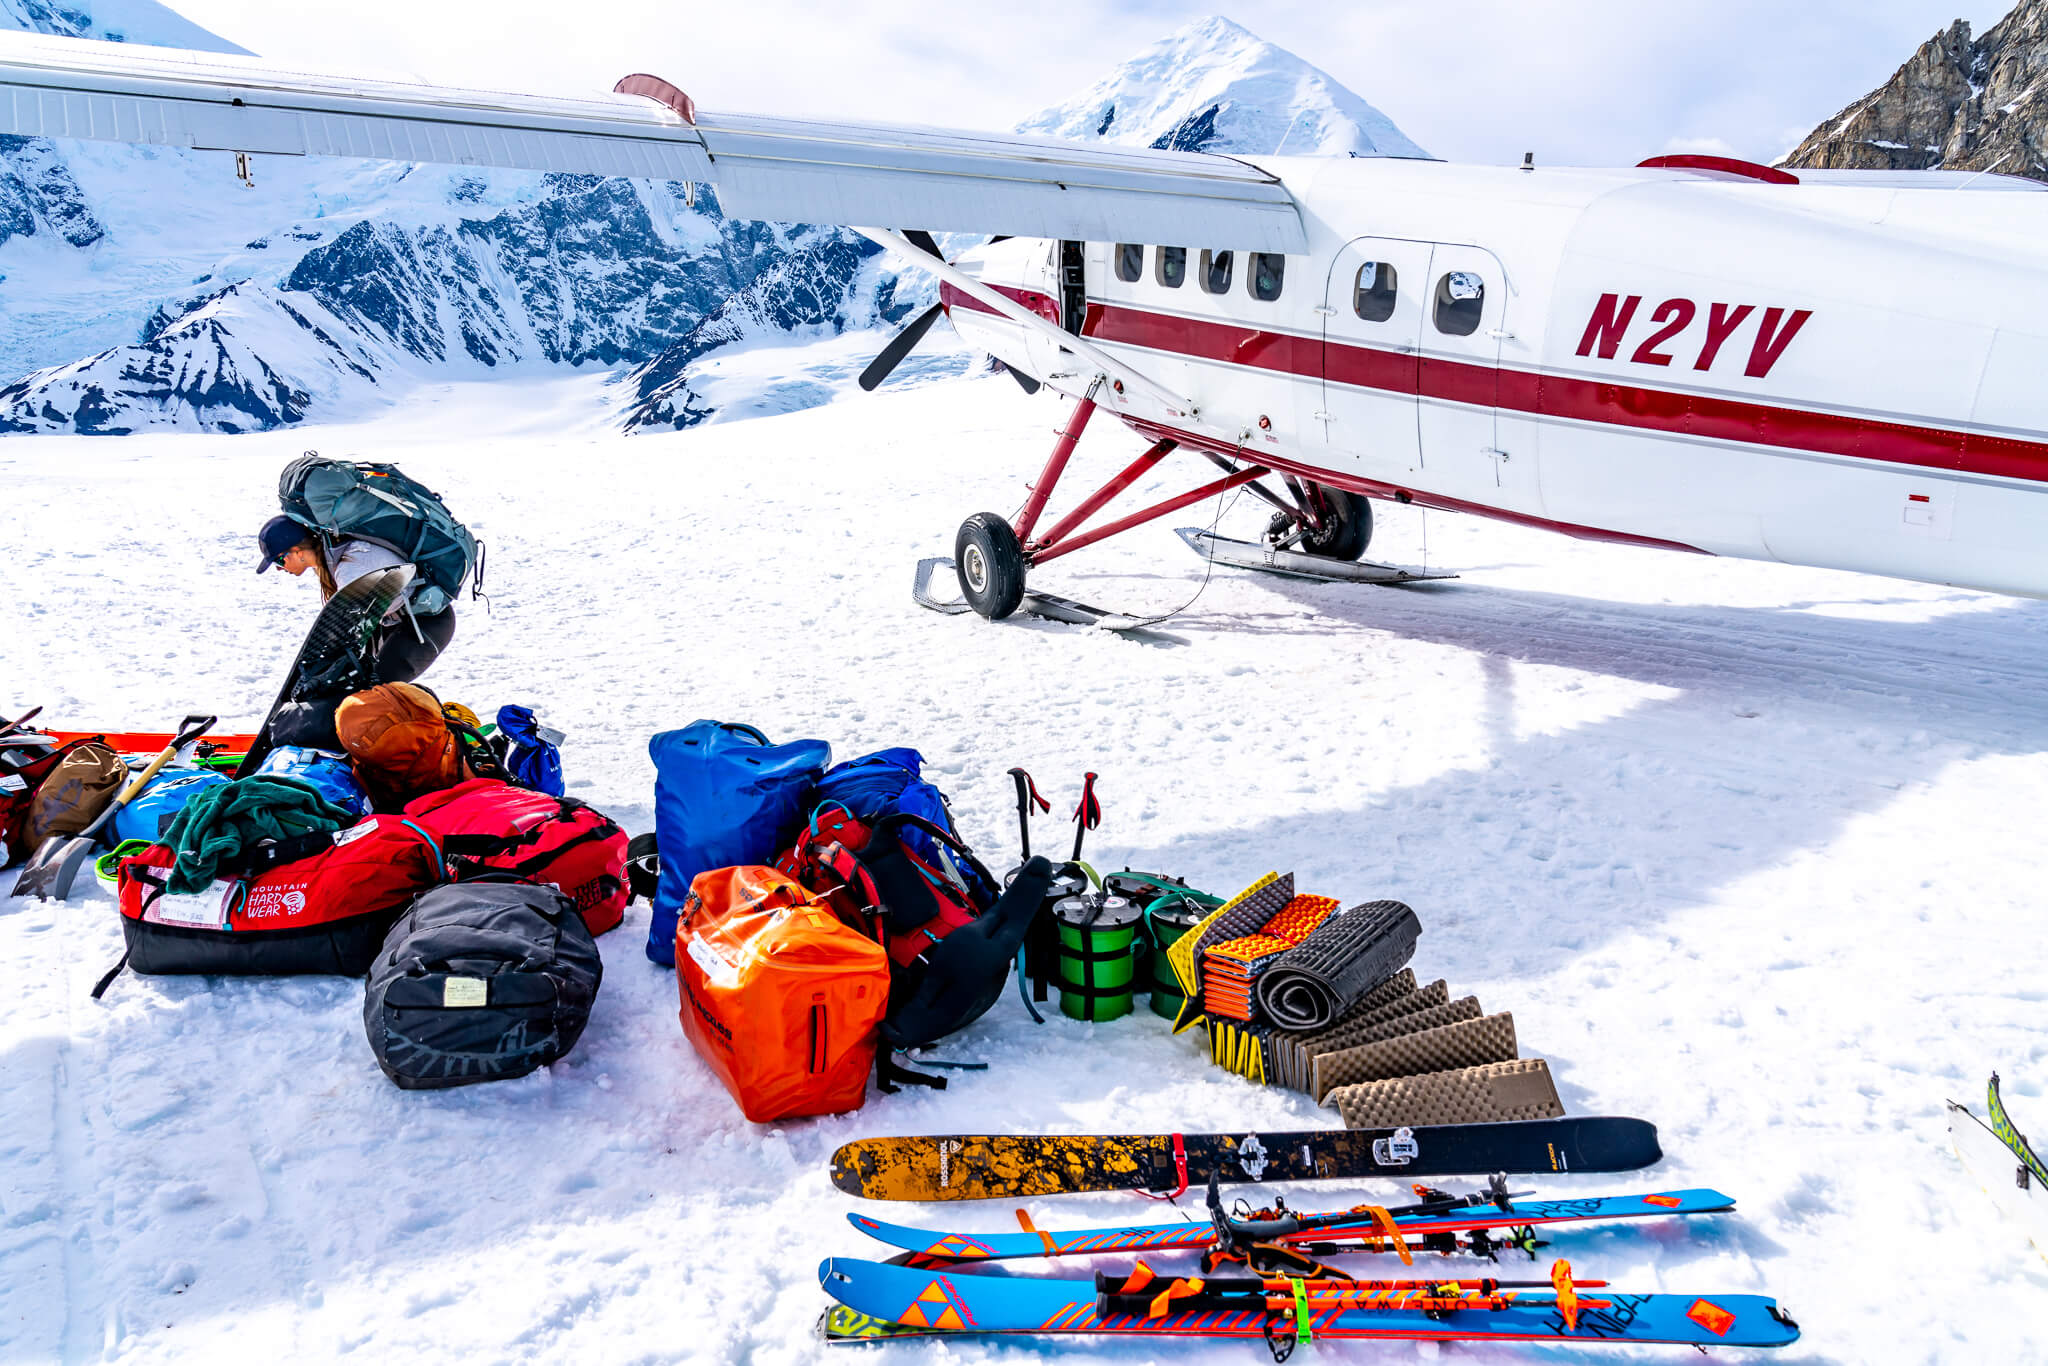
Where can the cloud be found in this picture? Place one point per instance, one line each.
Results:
(1585, 82)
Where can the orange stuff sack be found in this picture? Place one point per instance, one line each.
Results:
(777, 995)
(400, 743)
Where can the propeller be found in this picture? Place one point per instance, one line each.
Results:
(902, 345)
(904, 342)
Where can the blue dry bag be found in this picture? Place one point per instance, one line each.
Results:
(532, 759)
(723, 796)
(326, 772)
(156, 806)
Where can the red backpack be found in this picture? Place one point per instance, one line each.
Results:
(485, 825)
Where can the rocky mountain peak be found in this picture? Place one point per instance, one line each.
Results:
(1960, 103)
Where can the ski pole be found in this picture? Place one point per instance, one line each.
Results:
(1087, 815)
(1027, 796)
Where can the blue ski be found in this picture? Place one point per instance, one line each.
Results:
(918, 1302)
(929, 1247)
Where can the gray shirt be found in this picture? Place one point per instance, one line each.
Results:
(352, 559)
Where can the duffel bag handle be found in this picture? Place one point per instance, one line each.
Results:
(742, 728)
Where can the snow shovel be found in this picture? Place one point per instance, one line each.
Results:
(49, 874)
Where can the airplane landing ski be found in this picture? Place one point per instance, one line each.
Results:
(1048, 605)
(1294, 564)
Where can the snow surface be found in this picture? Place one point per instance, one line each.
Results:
(1749, 851)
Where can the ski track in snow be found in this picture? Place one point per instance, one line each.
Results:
(1749, 851)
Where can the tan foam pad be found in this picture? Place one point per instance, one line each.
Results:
(1470, 1095)
(1464, 1043)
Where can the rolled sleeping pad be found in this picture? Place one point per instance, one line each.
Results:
(1312, 984)
(1099, 945)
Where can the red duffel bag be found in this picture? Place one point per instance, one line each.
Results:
(488, 826)
(326, 912)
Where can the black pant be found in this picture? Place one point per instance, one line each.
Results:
(399, 656)
(396, 656)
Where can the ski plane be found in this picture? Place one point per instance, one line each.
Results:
(1827, 368)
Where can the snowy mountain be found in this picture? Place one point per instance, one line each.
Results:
(1213, 86)
(148, 288)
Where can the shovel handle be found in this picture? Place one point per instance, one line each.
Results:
(188, 734)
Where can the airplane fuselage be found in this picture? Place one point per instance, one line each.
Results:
(1838, 375)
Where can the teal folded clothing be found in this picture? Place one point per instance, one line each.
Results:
(221, 826)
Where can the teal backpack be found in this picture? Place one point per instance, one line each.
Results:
(375, 502)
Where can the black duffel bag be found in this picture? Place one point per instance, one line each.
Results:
(480, 981)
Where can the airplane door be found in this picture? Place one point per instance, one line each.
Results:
(1372, 326)
(1465, 320)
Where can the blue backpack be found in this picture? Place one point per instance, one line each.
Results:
(890, 782)
(530, 757)
(723, 796)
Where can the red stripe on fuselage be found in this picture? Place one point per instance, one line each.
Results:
(1674, 412)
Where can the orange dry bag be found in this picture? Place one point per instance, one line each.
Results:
(780, 997)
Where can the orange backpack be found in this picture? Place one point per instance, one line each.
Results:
(778, 996)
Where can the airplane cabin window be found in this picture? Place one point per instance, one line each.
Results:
(1216, 271)
(1460, 302)
(1130, 262)
(1172, 268)
(1268, 270)
(1372, 298)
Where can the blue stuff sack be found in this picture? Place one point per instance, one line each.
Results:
(156, 806)
(326, 772)
(723, 797)
(531, 759)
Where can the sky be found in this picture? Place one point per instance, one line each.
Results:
(1584, 82)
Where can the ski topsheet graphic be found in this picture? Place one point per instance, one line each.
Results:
(984, 1167)
(893, 1299)
(932, 1247)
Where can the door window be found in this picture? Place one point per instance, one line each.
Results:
(1375, 291)
(1460, 302)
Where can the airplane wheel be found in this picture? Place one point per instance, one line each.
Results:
(991, 565)
(1347, 530)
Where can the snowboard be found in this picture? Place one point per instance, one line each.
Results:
(899, 1297)
(1997, 1156)
(334, 658)
(933, 1247)
(1004, 1167)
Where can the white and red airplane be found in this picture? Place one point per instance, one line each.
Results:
(1836, 369)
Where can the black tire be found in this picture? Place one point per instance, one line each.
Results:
(1347, 526)
(991, 565)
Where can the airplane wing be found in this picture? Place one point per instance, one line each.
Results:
(786, 170)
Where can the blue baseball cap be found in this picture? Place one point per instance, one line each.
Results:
(278, 536)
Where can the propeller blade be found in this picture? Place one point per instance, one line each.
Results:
(923, 241)
(902, 345)
(1024, 381)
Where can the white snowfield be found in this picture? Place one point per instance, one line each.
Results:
(1751, 852)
